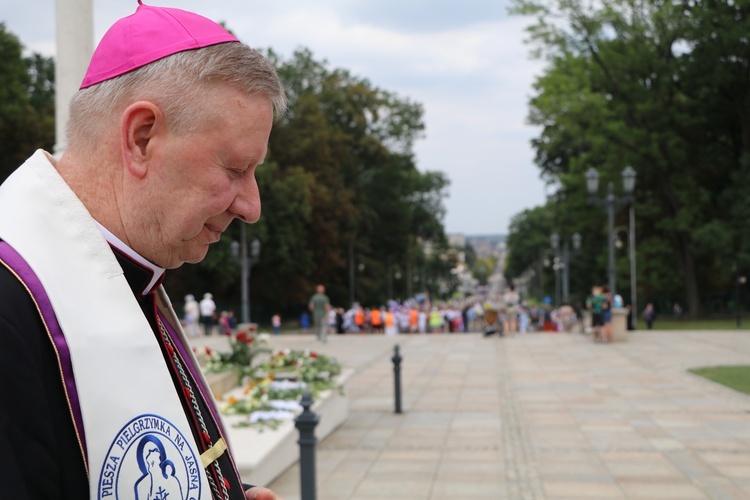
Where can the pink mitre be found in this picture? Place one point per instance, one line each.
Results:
(149, 35)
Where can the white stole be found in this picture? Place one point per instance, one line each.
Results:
(127, 396)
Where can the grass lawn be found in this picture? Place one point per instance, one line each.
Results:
(697, 324)
(734, 377)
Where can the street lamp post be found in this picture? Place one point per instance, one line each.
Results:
(541, 274)
(545, 262)
(563, 263)
(554, 241)
(612, 203)
(246, 261)
(254, 258)
(351, 273)
(741, 280)
(576, 238)
(630, 232)
(633, 274)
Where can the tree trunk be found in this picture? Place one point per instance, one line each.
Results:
(744, 115)
(691, 282)
(687, 262)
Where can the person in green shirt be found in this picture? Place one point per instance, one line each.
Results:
(595, 304)
(320, 305)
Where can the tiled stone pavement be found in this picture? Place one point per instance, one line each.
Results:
(536, 416)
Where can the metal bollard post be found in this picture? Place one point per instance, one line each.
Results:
(305, 423)
(397, 377)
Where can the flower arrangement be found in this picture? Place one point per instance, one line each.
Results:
(245, 347)
(270, 390)
(318, 371)
(272, 393)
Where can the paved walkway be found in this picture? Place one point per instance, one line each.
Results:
(537, 416)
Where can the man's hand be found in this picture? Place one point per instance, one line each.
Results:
(258, 493)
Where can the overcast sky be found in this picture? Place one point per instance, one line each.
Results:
(463, 60)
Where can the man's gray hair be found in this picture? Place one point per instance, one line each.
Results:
(180, 85)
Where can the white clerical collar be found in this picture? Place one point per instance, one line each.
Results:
(156, 271)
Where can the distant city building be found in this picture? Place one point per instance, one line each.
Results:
(457, 240)
(484, 246)
(491, 245)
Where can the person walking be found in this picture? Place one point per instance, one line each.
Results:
(389, 322)
(511, 300)
(319, 305)
(276, 323)
(171, 120)
(436, 320)
(376, 320)
(331, 320)
(225, 324)
(595, 303)
(422, 320)
(359, 319)
(340, 318)
(649, 315)
(191, 316)
(413, 318)
(208, 313)
(304, 321)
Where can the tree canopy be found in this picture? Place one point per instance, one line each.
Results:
(662, 87)
(27, 103)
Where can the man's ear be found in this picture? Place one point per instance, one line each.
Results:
(141, 122)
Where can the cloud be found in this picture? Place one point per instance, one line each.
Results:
(424, 15)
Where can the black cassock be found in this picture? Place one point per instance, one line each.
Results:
(40, 457)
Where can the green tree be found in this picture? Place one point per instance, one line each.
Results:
(717, 79)
(635, 83)
(27, 103)
(355, 140)
(482, 269)
(528, 240)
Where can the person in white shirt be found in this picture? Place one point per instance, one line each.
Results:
(208, 313)
(192, 315)
(511, 300)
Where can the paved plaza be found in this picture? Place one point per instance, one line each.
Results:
(535, 416)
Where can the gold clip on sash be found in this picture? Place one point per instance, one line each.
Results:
(214, 452)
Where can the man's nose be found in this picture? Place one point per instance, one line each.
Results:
(246, 203)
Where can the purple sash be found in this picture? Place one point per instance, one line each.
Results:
(18, 266)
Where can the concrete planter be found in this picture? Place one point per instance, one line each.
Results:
(222, 382)
(263, 454)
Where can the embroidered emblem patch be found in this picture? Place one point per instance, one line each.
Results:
(150, 460)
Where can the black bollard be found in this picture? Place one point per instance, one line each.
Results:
(305, 423)
(397, 377)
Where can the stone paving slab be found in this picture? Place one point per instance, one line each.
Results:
(542, 416)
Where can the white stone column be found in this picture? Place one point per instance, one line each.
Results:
(75, 44)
